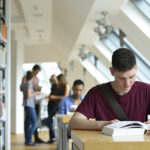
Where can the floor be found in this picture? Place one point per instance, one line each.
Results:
(17, 143)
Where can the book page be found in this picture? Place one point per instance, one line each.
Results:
(128, 124)
(147, 126)
(128, 138)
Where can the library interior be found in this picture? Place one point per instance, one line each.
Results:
(54, 54)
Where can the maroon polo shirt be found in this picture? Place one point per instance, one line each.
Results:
(136, 103)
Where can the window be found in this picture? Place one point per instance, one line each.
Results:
(143, 6)
(100, 67)
(112, 42)
(96, 68)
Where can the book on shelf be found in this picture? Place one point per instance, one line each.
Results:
(2, 83)
(126, 128)
(1, 134)
(2, 57)
(1, 106)
(3, 32)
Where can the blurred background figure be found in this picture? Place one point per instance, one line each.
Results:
(58, 91)
(35, 70)
(70, 103)
(30, 113)
(52, 106)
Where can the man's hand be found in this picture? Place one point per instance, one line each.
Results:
(73, 108)
(148, 122)
(114, 121)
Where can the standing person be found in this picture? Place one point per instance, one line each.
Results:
(30, 114)
(70, 103)
(133, 96)
(54, 98)
(52, 107)
(36, 69)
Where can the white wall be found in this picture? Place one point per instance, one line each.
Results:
(42, 53)
(17, 59)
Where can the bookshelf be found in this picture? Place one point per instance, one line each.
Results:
(2, 108)
(4, 118)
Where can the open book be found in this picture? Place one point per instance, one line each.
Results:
(126, 128)
(128, 138)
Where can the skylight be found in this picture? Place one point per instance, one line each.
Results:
(112, 42)
(143, 6)
(137, 16)
(96, 68)
(93, 71)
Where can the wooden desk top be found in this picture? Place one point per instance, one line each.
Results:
(94, 140)
(64, 118)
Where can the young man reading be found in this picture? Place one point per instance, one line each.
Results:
(132, 96)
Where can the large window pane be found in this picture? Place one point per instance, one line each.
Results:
(143, 6)
(113, 42)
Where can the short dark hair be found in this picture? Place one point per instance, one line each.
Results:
(36, 67)
(78, 82)
(123, 60)
(29, 75)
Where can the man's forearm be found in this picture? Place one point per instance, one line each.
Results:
(87, 124)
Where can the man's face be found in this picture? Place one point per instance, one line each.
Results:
(35, 72)
(78, 90)
(124, 80)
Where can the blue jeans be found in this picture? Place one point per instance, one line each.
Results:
(30, 123)
(52, 109)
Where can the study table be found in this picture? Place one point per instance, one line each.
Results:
(94, 140)
(62, 136)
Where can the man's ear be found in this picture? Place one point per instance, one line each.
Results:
(111, 71)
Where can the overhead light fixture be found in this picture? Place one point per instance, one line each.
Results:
(101, 22)
(83, 53)
(108, 28)
(103, 26)
(104, 13)
(98, 31)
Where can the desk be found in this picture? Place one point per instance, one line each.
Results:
(62, 137)
(94, 140)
